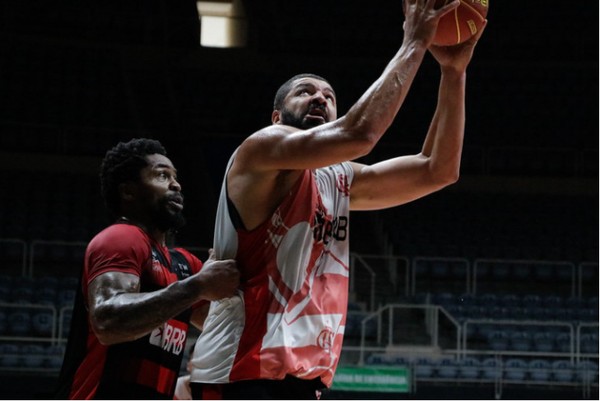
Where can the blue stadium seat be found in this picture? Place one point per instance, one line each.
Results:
(539, 370)
(589, 343)
(399, 361)
(19, 323)
(563, 371)
(54, 356)
(42, 322)
(447, 368)
(543, 341)
(47, 282)
(552, 301)
(531, 301)
(66, 297)
(490, 369)
(499, 313)
(563, 342)
(515, 369)
(45, 296)
(498, 340)
(544, 272)
(22, 294)
(586, 315)
(469, 368)
(587, 371)
(10, 356)
(424, 368)
(377, 359)
(33, 355)
(520, 340)
(510, 301)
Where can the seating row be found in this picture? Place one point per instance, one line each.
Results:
(560, 371)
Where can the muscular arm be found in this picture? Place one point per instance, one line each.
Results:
(269, 161)
(403, 179)
(119, 312)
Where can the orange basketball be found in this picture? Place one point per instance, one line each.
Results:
(461, 23)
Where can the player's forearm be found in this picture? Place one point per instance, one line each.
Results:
(127, 316)
(375, 111)
(444, 141)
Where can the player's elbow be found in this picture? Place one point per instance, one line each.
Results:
(444, 174)
(104, 328)
(362, 134)
(446, 177)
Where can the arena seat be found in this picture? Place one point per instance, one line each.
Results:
(469, 368)
(490, 368)
(539, 370)
(10, 356)
(32, 356)
(42, 322)
(19, 323)
(562, 371)
(447, 368)
(515, 369)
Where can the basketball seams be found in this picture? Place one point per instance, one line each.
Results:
(457, 22)
(475, 10)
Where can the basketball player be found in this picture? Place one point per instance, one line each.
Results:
(284, 209)
(137, 297)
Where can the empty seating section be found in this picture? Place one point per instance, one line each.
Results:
(519, 278)
(34, 321)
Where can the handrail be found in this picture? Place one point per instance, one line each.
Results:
(431, 322)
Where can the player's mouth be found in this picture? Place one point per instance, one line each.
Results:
(176, 202)
(317, 113)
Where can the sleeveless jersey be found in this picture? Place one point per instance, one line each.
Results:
(289, 316)
(148, 367)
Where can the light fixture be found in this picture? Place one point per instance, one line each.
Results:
(222, 23)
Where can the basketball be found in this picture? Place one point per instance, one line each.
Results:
(461, 23)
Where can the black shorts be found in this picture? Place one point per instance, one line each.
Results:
(290, 388)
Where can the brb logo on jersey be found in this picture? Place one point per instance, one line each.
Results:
(170, 336)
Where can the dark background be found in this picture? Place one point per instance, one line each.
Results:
(77, 77)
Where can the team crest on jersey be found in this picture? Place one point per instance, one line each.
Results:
(342, 184)
(325, 339)
(170, 336)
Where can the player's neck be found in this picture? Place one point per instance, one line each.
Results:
(153, 232)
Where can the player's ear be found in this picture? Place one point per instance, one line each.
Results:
(276, 117)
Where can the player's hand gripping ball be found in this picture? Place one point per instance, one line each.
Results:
(461, 23)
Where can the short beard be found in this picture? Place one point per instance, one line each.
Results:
(287, 118)
(166, 220)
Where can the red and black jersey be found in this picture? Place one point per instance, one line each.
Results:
(148, 367)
